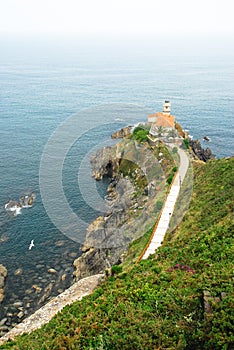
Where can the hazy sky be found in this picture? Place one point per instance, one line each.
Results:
(116, 17)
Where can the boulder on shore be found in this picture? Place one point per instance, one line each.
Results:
(3, 274)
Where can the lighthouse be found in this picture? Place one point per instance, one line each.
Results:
(167, 107)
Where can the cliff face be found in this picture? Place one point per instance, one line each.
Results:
(106, 241)
(121, 133)
(130, 200)
(201, 153)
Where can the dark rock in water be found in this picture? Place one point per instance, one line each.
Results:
(18, 304)
(206, 138)
(14, 207)
(201, 153)
(27, 200)
(121, 133)
(18, 272)
(47, 292)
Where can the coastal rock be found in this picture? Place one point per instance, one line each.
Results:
(3, 274)
(95, 260)
(104, 163)
(122, 133)
(106, 232)
(4, 238)
(3, 321)
(201, 153)
(108, 236)
(46, 294)
(18, 304)
(18, 272)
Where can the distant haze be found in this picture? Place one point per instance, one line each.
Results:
(122, 18)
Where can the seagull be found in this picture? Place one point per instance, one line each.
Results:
(31, 244)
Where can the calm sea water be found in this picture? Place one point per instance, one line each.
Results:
(40, 89)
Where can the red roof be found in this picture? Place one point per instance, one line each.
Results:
(162, 119)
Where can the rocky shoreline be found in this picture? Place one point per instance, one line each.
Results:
(28, 290)
(76, 292)
(3, 274)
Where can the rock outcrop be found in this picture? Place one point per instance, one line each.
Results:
(122, 133)
(3, 274)
(132, 169)
(105, 162)
(201, 153)
(106, 240)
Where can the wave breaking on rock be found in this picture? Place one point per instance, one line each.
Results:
(14, 208)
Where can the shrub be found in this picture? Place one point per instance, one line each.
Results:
(140, 134)
(116, 269)
(159, 205)
(170, 178)
(185, 144)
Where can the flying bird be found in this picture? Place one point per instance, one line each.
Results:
(31, 244)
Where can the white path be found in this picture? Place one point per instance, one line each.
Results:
(166, 214)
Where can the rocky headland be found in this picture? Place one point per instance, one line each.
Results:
(121, 133)
(130, 199)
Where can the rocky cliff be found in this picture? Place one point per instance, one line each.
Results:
(130, 200)
(121, 133)
(201, 153)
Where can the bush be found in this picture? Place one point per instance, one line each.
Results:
(116, 269)
(185, 144)
(170, 178)
(159, 205)
(140, 134)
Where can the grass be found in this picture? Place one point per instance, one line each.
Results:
(158, 304)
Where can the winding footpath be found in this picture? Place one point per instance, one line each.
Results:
(167, 211)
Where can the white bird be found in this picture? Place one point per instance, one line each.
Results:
(31, 244)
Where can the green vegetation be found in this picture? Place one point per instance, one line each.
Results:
(133, 171)
(135, 249)
(159, 205)
(172, 174)
(167, 160)
(159, 303)
(185, 144)
(116, 269)
(140, 133)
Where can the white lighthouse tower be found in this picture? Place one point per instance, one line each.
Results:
(167, 107)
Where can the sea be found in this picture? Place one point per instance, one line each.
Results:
(92, 89)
